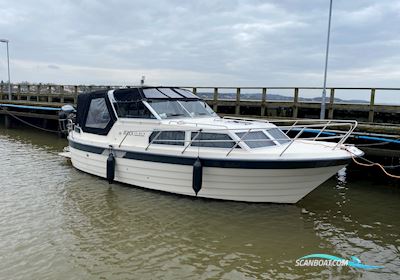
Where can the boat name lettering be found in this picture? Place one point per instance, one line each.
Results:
(134, 133)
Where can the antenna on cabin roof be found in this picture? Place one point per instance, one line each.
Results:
(142, 81)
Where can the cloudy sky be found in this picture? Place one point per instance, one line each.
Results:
(203, 43)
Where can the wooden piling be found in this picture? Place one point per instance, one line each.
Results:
(371, 106)
(295, 103)
(237, 104)
(331, 102)
(215, 100)
(7, 122)
(263, 102)
(44, 123)
(7, 119)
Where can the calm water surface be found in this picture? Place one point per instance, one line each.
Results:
(59, 223)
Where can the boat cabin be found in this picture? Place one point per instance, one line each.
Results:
(98, 111)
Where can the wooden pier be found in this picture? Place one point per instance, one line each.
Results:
(237, 101)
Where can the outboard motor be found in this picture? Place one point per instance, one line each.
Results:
(66, 117)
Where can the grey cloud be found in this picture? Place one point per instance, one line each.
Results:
(52, 66)
(243, 42)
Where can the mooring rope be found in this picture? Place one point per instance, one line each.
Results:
(29, 124)
(373, 144)
(371, 164)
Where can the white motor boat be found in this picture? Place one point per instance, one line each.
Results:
(170, 140)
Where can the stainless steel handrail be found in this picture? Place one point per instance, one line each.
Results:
(182, 122)
(322, 130)
(152, 140)
(292, 141)
(346, 136)
(245, 119)
(294, 124)
(236, 129)
(191, 140)
(342, 136)
(237, 142)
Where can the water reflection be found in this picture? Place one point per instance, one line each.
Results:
(360, 219)
(150, 233)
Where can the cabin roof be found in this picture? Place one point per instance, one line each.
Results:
(143, 93)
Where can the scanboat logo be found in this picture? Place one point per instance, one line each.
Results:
(329, 260)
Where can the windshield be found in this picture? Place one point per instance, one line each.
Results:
(198, 108)
(168, 109)
(132, 109)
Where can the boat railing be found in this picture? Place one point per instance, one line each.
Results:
(179, 122)
(337, 131)
(244, 119)
(303, 126)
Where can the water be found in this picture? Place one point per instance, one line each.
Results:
(59, 223)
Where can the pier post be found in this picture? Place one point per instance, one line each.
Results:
(195, 91)
(215, 102)
(48, 97)
(371, 106)
(44, 123)
(18, 92)
(263, 101)
(237, 107)
(7, 119)
(28, 88)
(295, 102)
(331, 102)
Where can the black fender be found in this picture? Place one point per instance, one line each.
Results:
(197, 175)
(110, 168)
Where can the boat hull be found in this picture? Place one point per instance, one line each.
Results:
(277, 185)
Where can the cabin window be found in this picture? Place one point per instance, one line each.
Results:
(255, 139)
(134, 109)
(213, 140)
(169, 109)
(168, 138)
(278, 135)
(98, 115)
